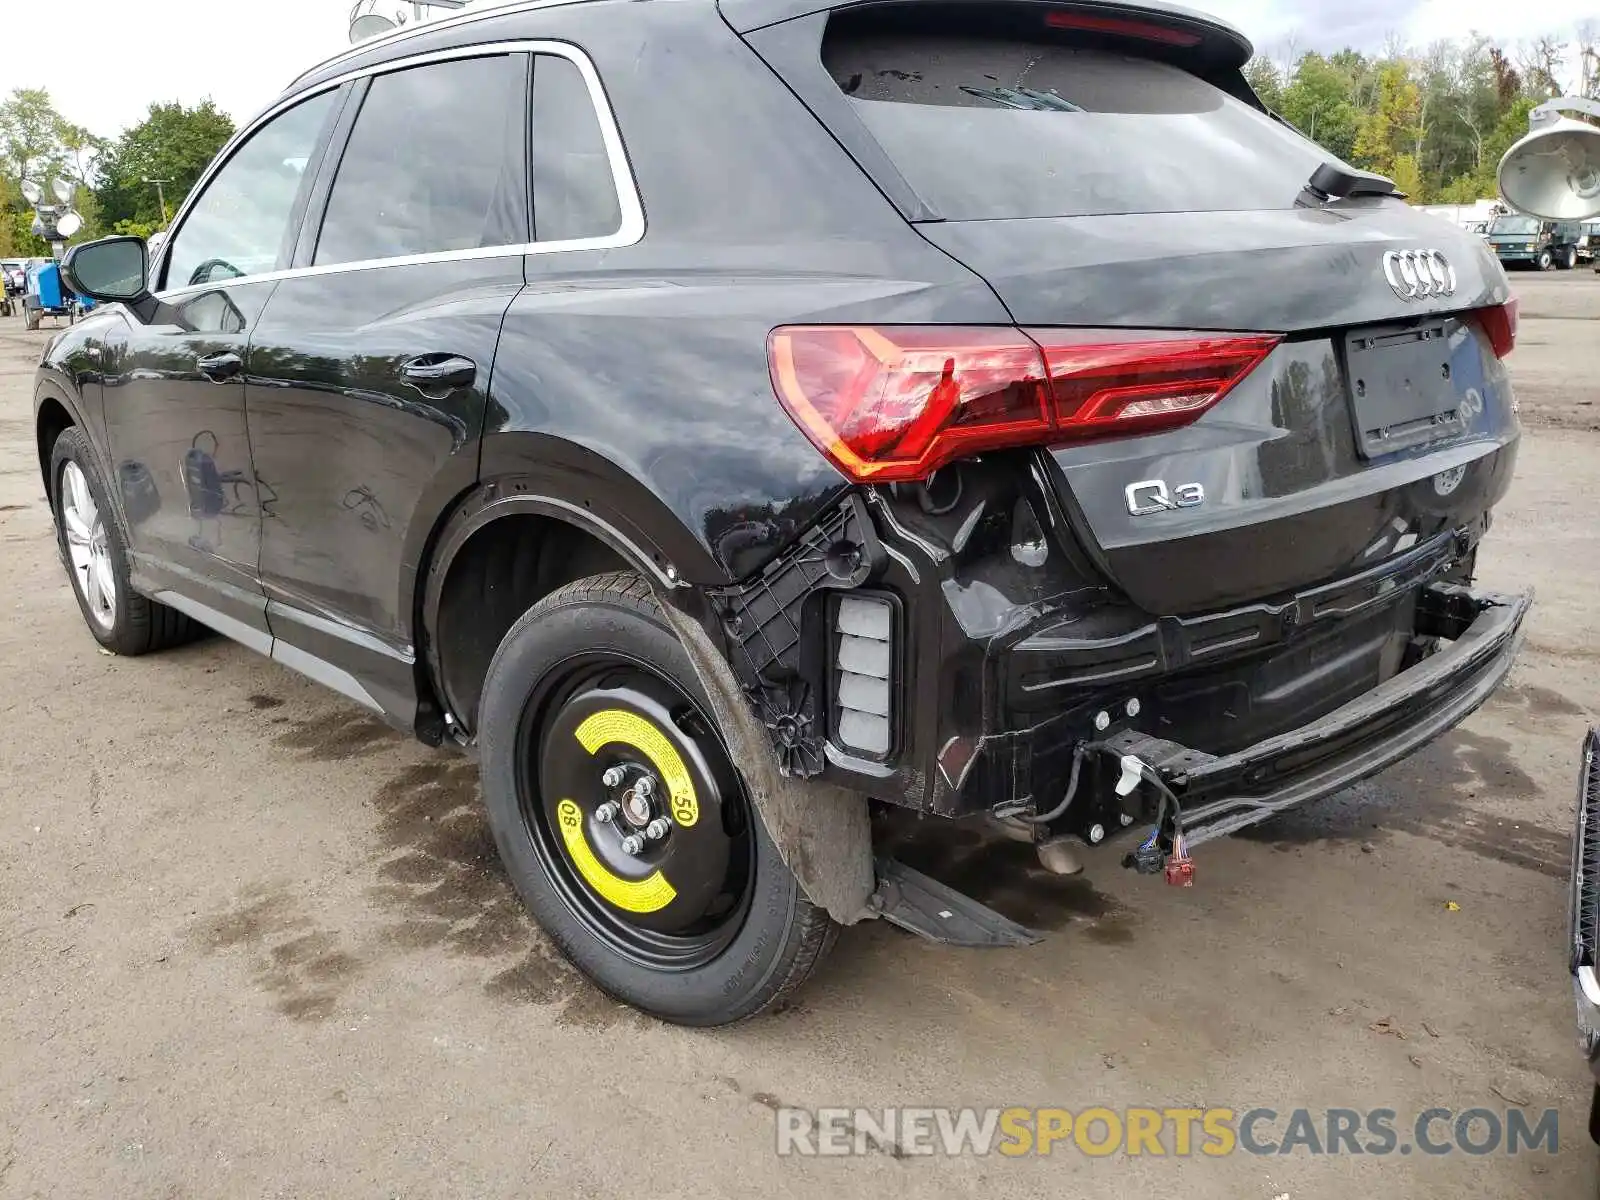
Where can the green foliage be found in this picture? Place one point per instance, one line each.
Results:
(1407, 177)
(135, 229)
(174, 144)
(1267, 81)
(1463, 189)
(1319, 102)
(1436, 123)
(37, 144)
(1390, 128)
(32, 136)
(16, 237)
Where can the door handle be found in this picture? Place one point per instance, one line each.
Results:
(220, 367)
(431, 372)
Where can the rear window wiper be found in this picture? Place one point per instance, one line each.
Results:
(1023, 98)
(1335, 181)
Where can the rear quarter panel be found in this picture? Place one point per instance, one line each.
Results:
(649, 361)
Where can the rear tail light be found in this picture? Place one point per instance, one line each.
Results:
(1106, 388)
(1500, 323)
(893, 403)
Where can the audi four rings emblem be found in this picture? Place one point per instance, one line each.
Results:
(1418, 274)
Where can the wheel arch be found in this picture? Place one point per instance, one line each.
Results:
(537, 498)
(822, 831)
(52, 417)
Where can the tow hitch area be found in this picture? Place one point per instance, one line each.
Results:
(924, 906)
(1196, 796)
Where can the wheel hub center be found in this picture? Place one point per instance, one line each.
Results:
(636, 806)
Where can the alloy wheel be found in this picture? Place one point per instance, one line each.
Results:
(87, 547)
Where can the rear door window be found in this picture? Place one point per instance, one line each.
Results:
(436, 163)
(986, 127)
(574, 184)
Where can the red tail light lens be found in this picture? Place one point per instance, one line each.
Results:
(1136, 385)
(1500, 323)
(896, 403)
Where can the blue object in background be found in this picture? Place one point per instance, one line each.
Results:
(49, 297)
(44, 282)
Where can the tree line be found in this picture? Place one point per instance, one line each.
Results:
(172, 143)
(1435, 121)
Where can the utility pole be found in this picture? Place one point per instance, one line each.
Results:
(161, 195)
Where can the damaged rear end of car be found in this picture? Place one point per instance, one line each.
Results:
(1192, 537)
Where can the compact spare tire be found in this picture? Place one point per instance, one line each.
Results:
(622, 820)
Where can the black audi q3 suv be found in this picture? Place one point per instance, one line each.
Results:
(733, 420)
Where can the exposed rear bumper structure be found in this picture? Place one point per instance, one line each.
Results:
(989, 692)
(1584, 914)
(1220, 795)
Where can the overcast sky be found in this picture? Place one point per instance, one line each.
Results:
(106, 61)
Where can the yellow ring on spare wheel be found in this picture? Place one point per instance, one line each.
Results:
(629, 728)
(647, 895)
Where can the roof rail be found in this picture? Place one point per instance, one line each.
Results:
(479, 12)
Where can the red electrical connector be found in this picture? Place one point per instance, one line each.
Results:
(1180, 867)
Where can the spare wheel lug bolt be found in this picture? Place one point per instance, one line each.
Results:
(607, 812)
(645, 788)
(633, 844)
(613, 777)
(657, 829)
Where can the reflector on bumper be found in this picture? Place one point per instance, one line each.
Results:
(862, 674)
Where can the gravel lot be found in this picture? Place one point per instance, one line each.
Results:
(254, 944)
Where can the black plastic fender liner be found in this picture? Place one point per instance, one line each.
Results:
(823, 832)
(936, 911)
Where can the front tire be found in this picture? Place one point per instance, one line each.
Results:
(1546, 260)
(96, 557)
(697, 921)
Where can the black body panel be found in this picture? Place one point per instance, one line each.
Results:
(180, 443)
(1290, 270)
(683, 429)
(1290, 500)
(325, 387)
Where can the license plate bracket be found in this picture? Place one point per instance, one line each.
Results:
(1402, 387)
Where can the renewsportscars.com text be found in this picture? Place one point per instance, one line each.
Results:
(1166, 1132)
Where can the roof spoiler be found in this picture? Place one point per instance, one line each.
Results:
(1214, 41)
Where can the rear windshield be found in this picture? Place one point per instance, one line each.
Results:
(984, 128)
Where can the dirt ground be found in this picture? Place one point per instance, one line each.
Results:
(254, 944)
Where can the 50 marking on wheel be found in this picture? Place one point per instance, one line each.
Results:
(635, 810)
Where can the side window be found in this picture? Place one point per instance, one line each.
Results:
(436, 162)
(240, 224)
(574, 189)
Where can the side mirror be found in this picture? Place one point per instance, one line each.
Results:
(111, 270)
